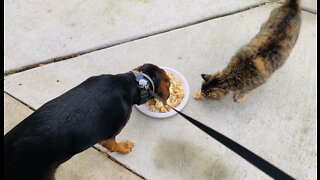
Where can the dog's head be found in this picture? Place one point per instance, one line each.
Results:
(159, 77)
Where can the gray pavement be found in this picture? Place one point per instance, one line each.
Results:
(42, 30)
(277, 121)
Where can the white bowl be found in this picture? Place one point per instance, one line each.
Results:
(145, 110)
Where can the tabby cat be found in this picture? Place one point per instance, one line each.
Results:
(253, 64)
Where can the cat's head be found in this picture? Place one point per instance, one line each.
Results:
(212, 86)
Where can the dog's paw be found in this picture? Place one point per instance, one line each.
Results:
(125, 147)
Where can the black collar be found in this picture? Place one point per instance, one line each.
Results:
(144, 82)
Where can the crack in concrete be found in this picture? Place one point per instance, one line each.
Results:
(117, 162)
(20, 101)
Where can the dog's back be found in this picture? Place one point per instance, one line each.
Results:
(64, 127)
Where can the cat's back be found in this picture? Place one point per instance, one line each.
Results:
(269, 49)
(253, 64)
(278, 35)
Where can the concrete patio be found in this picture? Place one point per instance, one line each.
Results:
(52, 46)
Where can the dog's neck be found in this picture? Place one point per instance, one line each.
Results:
(144, 81)
(145, 85)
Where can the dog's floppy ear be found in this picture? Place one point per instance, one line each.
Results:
(163, 88)
(206, 77)
(137, 68)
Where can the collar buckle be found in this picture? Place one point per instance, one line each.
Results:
(144, 82)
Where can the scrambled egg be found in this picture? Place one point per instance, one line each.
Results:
(175, 98)
(197, 95)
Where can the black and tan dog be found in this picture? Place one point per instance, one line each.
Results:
(94, 111)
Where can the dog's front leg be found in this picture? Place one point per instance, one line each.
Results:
(123, 147)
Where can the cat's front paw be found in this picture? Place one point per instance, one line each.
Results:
(239, 97)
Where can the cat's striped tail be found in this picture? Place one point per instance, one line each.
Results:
(294, 4)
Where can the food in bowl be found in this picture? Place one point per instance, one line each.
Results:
(175, 98)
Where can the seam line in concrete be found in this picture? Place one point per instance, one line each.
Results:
(309, 11)
(19, 101)
(302, 9)
(117, 162)
(105, 46)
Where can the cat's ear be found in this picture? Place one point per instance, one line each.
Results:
(206, 77)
